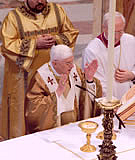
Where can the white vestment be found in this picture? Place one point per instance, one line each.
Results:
(126, 60)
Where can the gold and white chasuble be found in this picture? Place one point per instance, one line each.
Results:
(64, 104)
(52, 110)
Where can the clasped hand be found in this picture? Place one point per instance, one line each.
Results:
(45, 41)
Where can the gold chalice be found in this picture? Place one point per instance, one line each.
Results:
(88, 127)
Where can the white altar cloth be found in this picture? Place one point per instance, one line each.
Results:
(64, 143)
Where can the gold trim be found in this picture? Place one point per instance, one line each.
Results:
(62, 36)
(129, 123)
(57, 15)
(127, 110)
(56, 77)
(40, 32)
(68, 150)
(64, 39)
(129, 120)
(83, 158)
(20, 61)
(126, 151)
(19, 23)
(53, 97)
(28, 13)
(25, 45)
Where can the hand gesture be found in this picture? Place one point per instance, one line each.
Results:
(62, 84)
(45, 41)
(90, 70)
(123, 75)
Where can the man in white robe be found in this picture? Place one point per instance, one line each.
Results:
(124, 57)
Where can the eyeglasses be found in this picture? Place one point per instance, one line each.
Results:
(67, 63)
(119, 32)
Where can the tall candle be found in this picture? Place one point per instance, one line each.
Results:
(111, 36)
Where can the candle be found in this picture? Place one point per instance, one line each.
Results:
(111, 36)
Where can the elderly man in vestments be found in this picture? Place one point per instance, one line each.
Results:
(53, 98)
(127, 8)
(124, 56)
(28, 32)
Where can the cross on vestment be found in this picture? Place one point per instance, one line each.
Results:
(75, 77)
(50, 80)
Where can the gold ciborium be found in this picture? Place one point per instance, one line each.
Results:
(88, 127)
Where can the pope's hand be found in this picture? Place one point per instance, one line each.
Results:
(62, 84)
(90, 70)
(45, 41)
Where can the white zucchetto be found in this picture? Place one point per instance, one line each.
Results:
(60, 52)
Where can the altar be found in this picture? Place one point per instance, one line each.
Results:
(64, 143)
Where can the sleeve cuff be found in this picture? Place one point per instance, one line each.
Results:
(89, 81)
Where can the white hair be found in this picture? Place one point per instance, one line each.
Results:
(107, 16)
(60, 52)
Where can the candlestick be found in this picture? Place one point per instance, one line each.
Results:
(111, 36)
(107, 149)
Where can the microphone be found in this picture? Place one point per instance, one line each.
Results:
(119, 119)
(85, 89)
